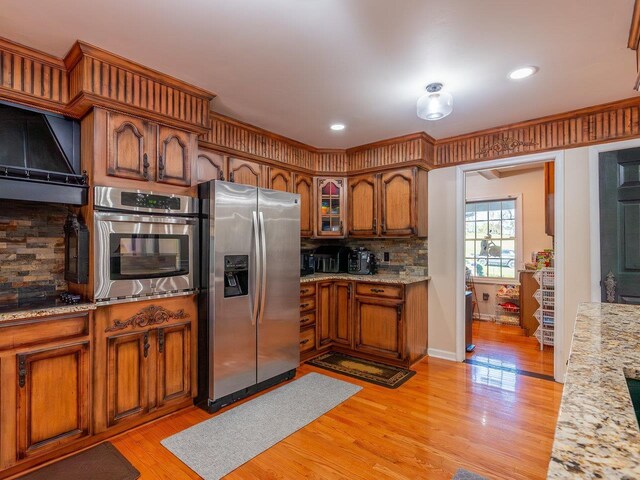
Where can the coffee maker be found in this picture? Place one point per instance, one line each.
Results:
(362, 262)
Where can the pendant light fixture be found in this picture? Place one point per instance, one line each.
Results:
(435, 104)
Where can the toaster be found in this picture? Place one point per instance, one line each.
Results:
(362, 262)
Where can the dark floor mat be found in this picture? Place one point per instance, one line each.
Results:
(372, 372)
(102, 462)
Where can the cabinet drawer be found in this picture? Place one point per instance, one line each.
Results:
(307, 339)
(307, 289)
(379, 290)
(307, 304)
(40, 330)
(307, 319)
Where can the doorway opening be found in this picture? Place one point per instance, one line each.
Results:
(509, 260)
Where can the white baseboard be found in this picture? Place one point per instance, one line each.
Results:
(445, 355)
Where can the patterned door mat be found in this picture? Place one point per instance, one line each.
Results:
(372, 372)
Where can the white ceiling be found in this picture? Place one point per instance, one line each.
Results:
(296, 66)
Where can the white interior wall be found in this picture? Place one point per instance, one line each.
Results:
(442, 252)
(529, 184)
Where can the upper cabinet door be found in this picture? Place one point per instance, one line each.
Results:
(174, 156)
(210, 166)
(304, 187)
(331, 207)
(130, 147)
(280, 179)
(363, 206)
(245, 172)
(398, 203)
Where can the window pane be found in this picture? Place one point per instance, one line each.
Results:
(470, 230)
(482, 229)
(481, 211)
(469, 248)
(495, 212)
(495, 229)
(494, 271)
(509, 228)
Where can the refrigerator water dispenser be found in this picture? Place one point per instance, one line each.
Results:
(236, 275)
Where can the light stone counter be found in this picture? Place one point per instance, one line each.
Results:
(597, 434)
(45, 311)
(394, 279)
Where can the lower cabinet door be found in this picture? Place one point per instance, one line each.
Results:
(341, 324)
(324, 313)
(379, 327)
(174, 363)
(53, 398)
(127, 376)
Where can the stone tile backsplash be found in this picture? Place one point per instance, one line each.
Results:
(406, 255)
(31, 250)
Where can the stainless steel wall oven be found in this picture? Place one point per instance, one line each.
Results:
(144, 245)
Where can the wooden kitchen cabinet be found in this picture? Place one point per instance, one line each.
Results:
(246, 172)
(53, 397)
(303, 186)
(308, 344)
(378, 327)
(280, 179)
(124, 150)
(173, 164)
(45, 371)
(341, 325)
(145, 360)
(210, 165)
(363, 206)
(131, 147)
(174, 363)
(324, 314)
(127, 376)
(398, 208)
(331, 207)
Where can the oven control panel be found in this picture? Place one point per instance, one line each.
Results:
(147, 200)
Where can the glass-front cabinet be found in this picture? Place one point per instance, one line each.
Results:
(331, 207)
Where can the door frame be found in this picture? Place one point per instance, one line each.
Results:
(562, 326)
(594, 208)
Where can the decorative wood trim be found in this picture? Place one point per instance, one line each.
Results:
(587, 126)
(235, 137)
(148, 316)
(31, 77)
(634, 29)
(89, 76)
(98, 77)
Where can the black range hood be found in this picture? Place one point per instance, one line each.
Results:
(40, 157)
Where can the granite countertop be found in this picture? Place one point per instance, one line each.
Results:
(41, 307)
(391, 278)
(597, 434)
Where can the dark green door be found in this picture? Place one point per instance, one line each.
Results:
(620, 226)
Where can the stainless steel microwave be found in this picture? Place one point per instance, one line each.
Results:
(144, 245)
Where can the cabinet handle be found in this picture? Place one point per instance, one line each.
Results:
(341, 228)
(304, 305)
(221, 175)
(413, 230)
(302, 342)
(161, 340)
(349, 291)
(377, 290)
(304, 319)
(375, 224)
(231, 177)
(302, 292)
(382, 225)
(399, 310)
(146, 345)
(145, 166)
(22, 370)
(161, 168)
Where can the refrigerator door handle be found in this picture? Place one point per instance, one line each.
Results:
(258, 274)
(263, 269)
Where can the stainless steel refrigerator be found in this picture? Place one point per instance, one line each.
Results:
(249, 301)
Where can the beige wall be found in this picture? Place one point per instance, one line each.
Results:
(442, 252)
(530, 185)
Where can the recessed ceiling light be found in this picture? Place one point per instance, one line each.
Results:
(336, 127)
(523, 72)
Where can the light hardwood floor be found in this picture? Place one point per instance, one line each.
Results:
(449, 415)
(507, 345)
